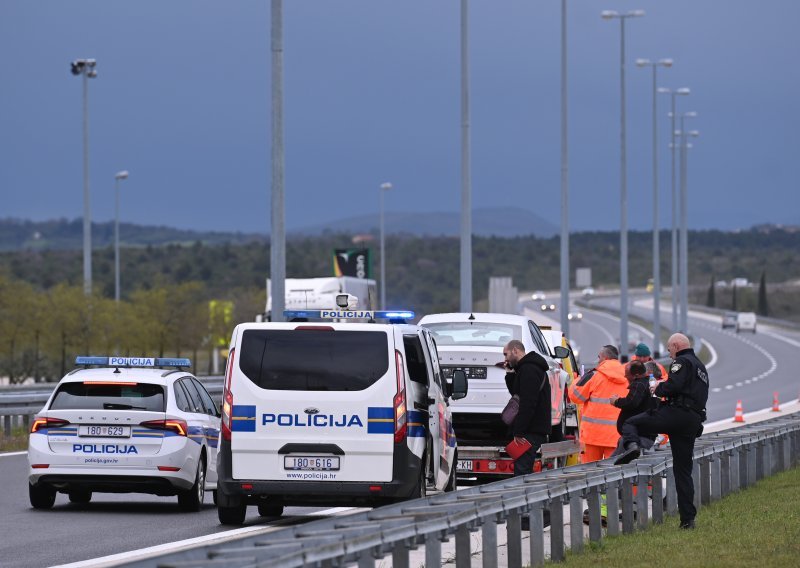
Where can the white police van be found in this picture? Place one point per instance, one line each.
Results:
(125, 427)
(333, 413)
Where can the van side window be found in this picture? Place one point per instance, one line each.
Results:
(415, 359)
(434, 355)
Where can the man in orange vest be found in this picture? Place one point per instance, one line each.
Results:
(598, 431)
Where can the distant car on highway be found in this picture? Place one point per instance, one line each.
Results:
(745, 321)
(538, 295)
(575, 316)
(548, 307)
(586, 292)
(125, 427)
(729, 320)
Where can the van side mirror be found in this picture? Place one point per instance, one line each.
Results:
(460, 385)
(561, 352)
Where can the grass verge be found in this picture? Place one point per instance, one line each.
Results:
(759, 526)
(18, 440)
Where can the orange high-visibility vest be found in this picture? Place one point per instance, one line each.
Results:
(598, 416)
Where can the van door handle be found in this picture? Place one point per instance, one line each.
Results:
(421, 407)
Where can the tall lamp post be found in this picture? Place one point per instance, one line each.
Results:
(86, 69)
(667, 63)
(277, 246)
(119, 176)
(684, 237)
(623, 225)
(384, 188)
(466, 172)
(564, 178)
(674, 245)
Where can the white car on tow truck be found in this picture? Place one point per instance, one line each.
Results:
(473, 343)
(125, 427)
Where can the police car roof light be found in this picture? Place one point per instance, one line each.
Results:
(394, 316)
(133, 361)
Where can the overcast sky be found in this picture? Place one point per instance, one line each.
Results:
(372, 94)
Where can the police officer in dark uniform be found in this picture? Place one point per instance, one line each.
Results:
(680, 416)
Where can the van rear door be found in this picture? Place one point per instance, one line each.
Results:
(314, 402)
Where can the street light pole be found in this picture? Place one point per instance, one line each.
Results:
(466, 172)
(667, 63)
(120, 176)
(278, 228)
(623, 229)
(684, 227)
(86, 68)
(674, 233)
(384, 188)
(564, 178)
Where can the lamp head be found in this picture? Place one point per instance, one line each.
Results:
(122, 175)
(665, 62)
(643, 62)
(386, 185)
(683, 91)
(609, 14)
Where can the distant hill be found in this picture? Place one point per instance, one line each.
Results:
(66, 234)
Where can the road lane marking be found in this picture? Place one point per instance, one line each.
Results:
(711, 350)
(145, 553)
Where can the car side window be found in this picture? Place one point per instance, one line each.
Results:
(196, 403)
(208, 402)
(538, 339)
(181, 398)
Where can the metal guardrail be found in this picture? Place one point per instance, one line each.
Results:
(19, 404)
(724, 462)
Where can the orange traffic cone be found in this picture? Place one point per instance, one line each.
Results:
(739, 416)
(775, 406)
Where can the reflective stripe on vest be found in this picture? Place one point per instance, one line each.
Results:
(599, 421)
(600, 400)
(578, 395)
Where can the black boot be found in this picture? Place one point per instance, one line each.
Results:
(631, 453)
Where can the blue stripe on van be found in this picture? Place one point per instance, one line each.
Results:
(417, 424)
(243, 418)
(380, 420)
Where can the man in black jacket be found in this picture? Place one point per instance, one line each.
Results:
(527, 377)
(637, 401)
(680, 416)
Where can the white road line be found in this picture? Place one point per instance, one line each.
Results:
(144, 553)
(713, 352)
(7, 454)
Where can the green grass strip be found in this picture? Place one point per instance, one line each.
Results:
(758, 526)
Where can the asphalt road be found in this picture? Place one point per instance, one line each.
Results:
(109, 524)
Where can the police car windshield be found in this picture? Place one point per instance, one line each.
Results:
(311, 360)
(87, 396)
(476, 333)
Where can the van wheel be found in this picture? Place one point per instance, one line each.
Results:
(232, 515)
(80, 496)
(41, 496)
(421, 488)
(270, 510)
(191, 500)
(452, 482)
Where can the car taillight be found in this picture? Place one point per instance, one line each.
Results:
(39, 423)
(400, 414)
(227, 399)
(172, 425)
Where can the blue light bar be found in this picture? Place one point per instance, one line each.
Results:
(134, 361)
(350, 314)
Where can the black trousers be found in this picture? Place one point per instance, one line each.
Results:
(682, 425)
(524, 464)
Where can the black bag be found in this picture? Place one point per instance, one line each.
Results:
(511, 410)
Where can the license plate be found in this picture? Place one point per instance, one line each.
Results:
(105, 431)
(311, 463)
(464, 465)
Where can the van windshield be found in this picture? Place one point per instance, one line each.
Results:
(311, 360)
(474, 333)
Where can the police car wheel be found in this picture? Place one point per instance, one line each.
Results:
(191, 500)
(80, 496)
(269, 510)
(232, 515)
(41, 496)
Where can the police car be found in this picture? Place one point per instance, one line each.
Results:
(122, 425)
(333, 412)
